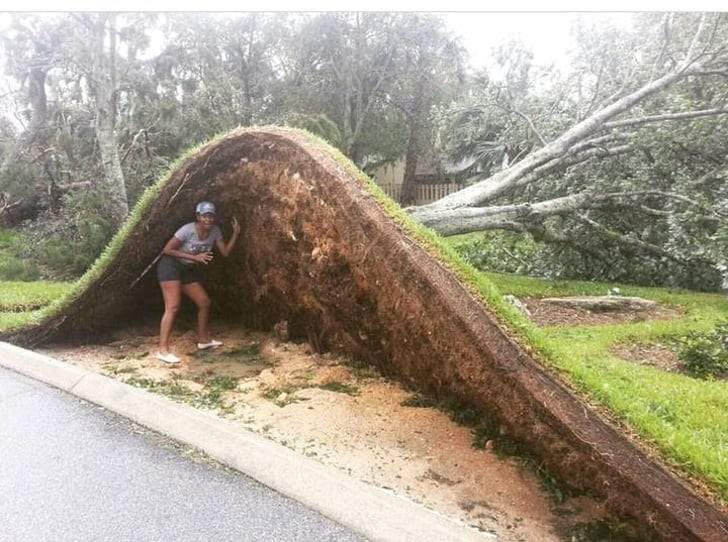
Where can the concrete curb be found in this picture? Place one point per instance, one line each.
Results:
(370, 511)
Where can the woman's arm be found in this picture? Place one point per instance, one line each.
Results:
(172, 249)
(226, 248)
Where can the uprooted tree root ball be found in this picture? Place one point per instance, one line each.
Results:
(318, 251)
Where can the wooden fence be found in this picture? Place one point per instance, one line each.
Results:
(426, 193)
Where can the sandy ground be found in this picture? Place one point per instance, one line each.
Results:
(349, 418)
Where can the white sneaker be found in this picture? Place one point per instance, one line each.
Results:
(167, 357)
(212, 344)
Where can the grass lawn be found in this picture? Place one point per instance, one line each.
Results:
(685, 418)
(22, 302)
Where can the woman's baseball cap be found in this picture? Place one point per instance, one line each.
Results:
(205, 207)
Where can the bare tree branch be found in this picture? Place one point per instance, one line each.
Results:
(470, 219)
(689, 58)
(717, 71)
(666, 116)
(598, 141)
(562, 164)
(531, 125)
(132, 144)
(597, 87)
(718, 173)
(666, 20)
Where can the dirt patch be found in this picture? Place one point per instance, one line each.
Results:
(349, 418)
(548, 314)
(654, 355)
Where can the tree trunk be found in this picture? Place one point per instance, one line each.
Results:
(104, 88)
(35, 135)
(356, 153)
(409, 186)
(247, 116)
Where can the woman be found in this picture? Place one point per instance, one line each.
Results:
(178, 272)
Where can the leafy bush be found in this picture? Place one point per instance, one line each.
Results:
(65, 245)
(504, 252)
(13, 268)
(500, 252)
(321, 126)
(19, 179)
(564, 262)
(706, 354)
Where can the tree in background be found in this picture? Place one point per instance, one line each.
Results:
(102, 79)
(428, 70)
(341, 66)
(31, 48)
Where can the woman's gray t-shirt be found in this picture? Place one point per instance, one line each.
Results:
(191, 242)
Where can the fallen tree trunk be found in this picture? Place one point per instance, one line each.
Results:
(314, 250)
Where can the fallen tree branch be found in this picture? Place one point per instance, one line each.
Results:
(666, 116)
(561, 164)
(544, 234)
(630, 241)
(493, 217)
(132, 144)
(531, 125)
(598, 142)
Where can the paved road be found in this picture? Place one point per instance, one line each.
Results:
(70, 470)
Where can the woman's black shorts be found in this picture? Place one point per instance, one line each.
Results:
(170, 268)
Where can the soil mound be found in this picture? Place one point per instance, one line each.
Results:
(318, 251)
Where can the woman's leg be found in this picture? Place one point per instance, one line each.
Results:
(172, 293)
(198, 295)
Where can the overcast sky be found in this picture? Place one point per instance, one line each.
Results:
(548, 35)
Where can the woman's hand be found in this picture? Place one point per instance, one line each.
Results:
(226, 248)
(203, 257)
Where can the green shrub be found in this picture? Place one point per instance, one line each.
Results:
(500, 252)
(706, 354)
(66, 244)
(13, 268)
(320, 125)
(6, 238)
(506, 252)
